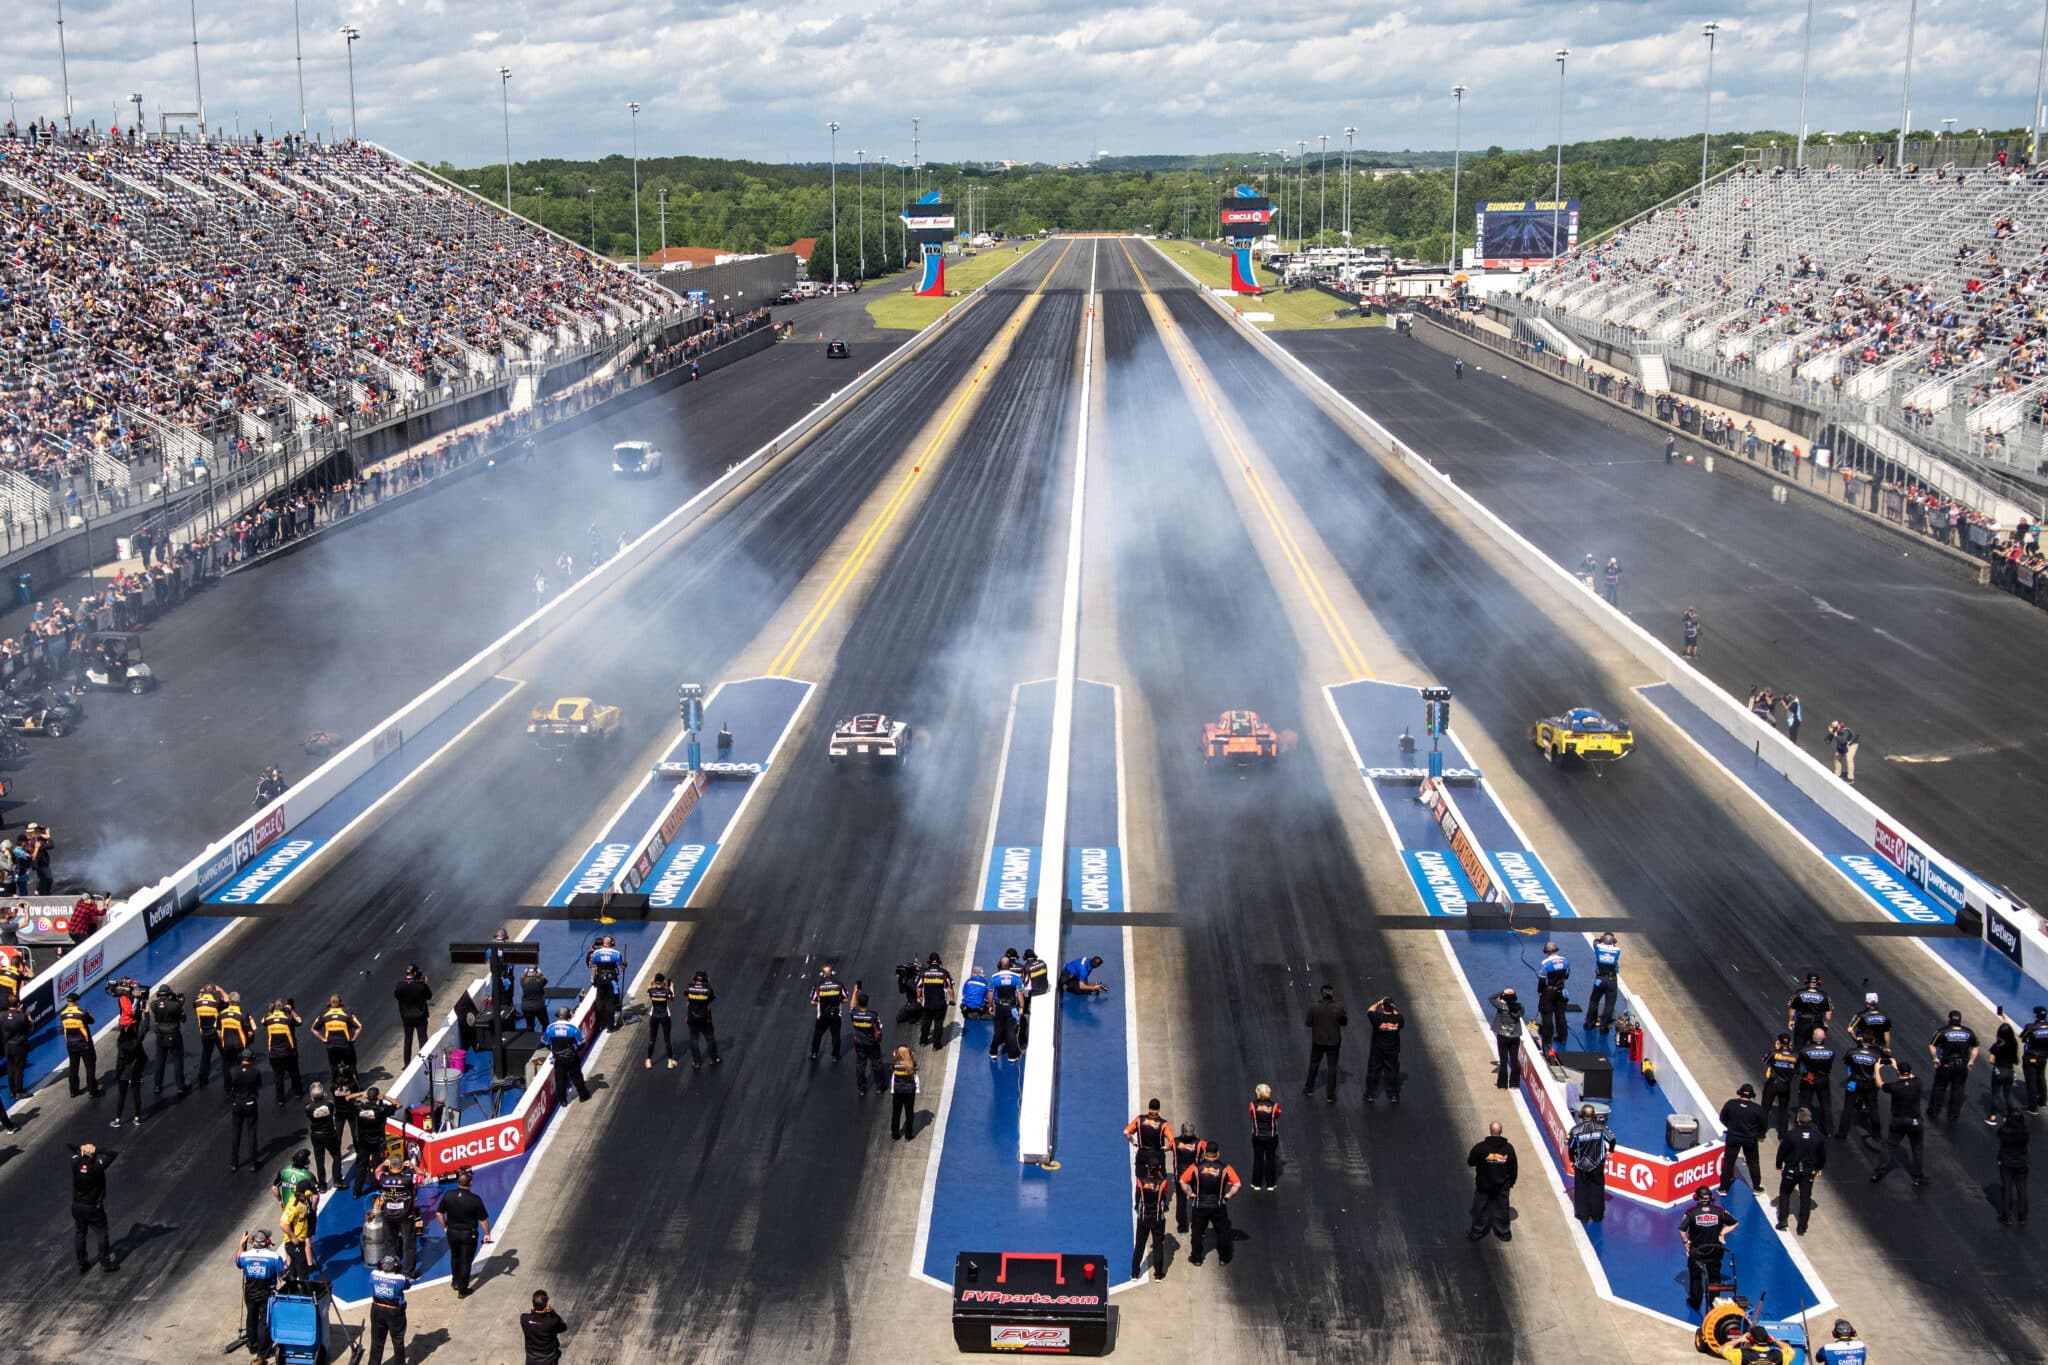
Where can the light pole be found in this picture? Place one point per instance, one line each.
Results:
(349, 34)
(1707, 30)
(2040, 72)
(1948, 134)
(64, 64)
(885, 212)
(505, 93)
(860, 211)
(1457, 163)
(299, 65)
(633, 107)
(590, 193)
(1301, 191)
(1322, 183)
(198, 90)
(1805, 65)
(1906, 86)
(661, 211)
(835, 199)
(916, 160)
(1557, 176)
(136, 100)
(1349, 133)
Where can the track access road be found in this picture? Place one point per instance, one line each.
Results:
(468, 844)
(771, 1200)
(1727, 910)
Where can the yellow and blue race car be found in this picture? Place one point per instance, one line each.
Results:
(1584, 734)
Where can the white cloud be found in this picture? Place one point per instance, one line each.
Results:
(1030, 79)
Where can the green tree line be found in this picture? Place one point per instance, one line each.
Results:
(758, 206)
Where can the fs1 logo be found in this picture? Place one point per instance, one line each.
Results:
(1893, 846)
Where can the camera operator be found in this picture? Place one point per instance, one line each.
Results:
(167, 1017)
(1384, 1021)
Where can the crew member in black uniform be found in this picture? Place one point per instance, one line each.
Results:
(206, 1008)
(935, 995)
(245, 1090)
(337, 1028)
(1587, 1146)
(1384, 1022)
(1150, 1201)
(366, 1115)
(697, 998)
(2012, 1167)
(1742, 1126)
(398, 1195)
(1872, 1024)
(1494, 1172)
(1781, 1073)
(1187, 1151)
(1859, 1090)
(826, 999)
(130, 1064)
(412, 993)
(1326, 1021)
(281, 1025)
(533, 998)
(167, 1018)
(1816, 1073)
(661, 1000)
(16, 1028)
(1954, 1050)
(466, 1223)
(1149, 1134)
(2033, 1058)
(1802, 1155)
(1507, 1037)
(236, 1031)
(1808, 1009)
(903, 1088)
(89, 1201)
(1897, 1080)
(324, 1117)
(1264, 1112)
(78, 1049)
(867, 1046)
(1703, 1229)
(1211, 1186)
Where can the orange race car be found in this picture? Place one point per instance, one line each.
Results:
(1239, 738)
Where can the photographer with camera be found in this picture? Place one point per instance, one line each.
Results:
(1383, 1052)
(261, 1266)
(89, 1201)
(167, 1017)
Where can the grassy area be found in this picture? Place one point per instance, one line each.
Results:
(905, 309)
(1300, 308)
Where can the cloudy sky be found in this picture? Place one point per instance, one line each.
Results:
(1019, 79)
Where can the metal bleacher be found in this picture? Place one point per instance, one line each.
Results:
(1904, 299)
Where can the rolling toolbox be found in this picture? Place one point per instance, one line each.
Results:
(1031, 1303)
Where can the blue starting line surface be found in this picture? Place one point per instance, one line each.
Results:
(274, 866)
(974, 1181)
(1632, 1253)
(1931, 900)
(760, 713)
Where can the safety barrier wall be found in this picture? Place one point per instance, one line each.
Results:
(2016, 933)
(149, 912)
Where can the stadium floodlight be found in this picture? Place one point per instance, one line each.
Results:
(860, 213)
(2040, 73)
(1322, 183)
(505, 94)
(299, 65)
(1457, 159)
(1557, 177)
(64, 65)
(835, 200)
(1906, 86)
(1350, 133)
(1707, 30)
(349, 34)
(633, 107)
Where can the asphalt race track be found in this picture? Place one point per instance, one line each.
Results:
(339, 638)
(1922, 664)
(1701, 888)
(461, 855)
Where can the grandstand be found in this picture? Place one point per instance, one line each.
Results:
(167, 298)
(1910, 300)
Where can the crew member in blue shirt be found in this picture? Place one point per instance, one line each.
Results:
(1844, 1349)
(1551, 974)
(387, 1311)
(1006, 989)
(607, 969)
(261, 1266)
(974, 995)
(1606, 970)
(1074, 976)
(565, 1045)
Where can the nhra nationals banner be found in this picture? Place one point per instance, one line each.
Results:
(1437, 797)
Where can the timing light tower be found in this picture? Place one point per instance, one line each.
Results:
(690, 705)
(1436, 718)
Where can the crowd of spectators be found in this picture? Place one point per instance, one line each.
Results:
(186, 282)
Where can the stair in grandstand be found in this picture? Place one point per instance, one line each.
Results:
(1650, 368)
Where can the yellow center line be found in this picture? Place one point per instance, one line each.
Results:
(1348, 651)
(814, 619)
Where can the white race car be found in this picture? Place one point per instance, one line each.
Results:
(869, 738)
(635, 459)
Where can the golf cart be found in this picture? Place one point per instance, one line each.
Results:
(113, 661)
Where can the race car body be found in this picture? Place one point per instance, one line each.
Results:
(571, 721)
(835, 349)
(1583, 733)
(635, 459)
(1240, 739)
(869, 737)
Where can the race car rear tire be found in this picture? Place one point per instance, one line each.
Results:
(137, 686)
(55, 729)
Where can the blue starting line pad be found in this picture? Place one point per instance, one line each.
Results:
(1930, 899)
(271, 867)
(975, 1181)
(1635, 1244)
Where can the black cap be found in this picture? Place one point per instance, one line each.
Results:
(1955, 1016)
(1747, 1092)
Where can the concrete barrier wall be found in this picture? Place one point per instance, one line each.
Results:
(1841, 801)
(149, 912)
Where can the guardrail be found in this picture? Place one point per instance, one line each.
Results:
(148, 913)
(2003, 926)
